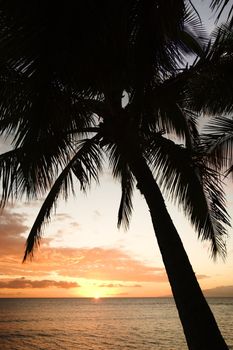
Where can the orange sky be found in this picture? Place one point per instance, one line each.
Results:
(84, 255)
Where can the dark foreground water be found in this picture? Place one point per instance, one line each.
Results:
(87, 324)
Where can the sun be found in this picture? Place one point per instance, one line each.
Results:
(93, 290)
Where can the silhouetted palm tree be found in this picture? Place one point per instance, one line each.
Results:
(64, 68)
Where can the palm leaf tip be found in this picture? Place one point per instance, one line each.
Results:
(121, 171)
(217, 219)
(33, 241)
(126, 205)
(218, 246)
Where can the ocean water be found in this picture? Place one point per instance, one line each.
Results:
(111, 323)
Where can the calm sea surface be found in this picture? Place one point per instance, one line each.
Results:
(87, 324)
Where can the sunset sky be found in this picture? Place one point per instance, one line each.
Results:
(83, 254)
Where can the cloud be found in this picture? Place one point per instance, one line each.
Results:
(12, 225)
(96, 215)
(200, 277)
(12, 222)
(98, 264)
(221, 291)
(123, 294)
(22, 283)
(36, 203)
(119, 285)
(61, 217)
(75, 225)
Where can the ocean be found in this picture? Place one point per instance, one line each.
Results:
(103, 324)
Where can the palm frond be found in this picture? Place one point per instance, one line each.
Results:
(35, 234)
(27, 173)
(155, 27)
(37, 105)
(88, 163)
(193, 37)
(85, 165)
(220, 6)
(181, 122)
(122, 172)
(188, 182)
(191, 44)
(218, 141)
(9, 162)
(229, 171)
(164, 111)
(30, 170)
(222, 38)
(209, 87)
(43, 124)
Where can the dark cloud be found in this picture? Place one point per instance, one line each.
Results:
(22, 283)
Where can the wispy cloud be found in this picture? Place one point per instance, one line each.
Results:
(104, 264)
(12, 226)
(97, 263)
(119, 285)
(201, 277)
(22, 283)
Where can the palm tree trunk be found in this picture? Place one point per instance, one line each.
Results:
(200, 328)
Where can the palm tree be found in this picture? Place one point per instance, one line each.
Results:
(64, 68)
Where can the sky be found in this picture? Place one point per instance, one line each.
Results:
(83, 254)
